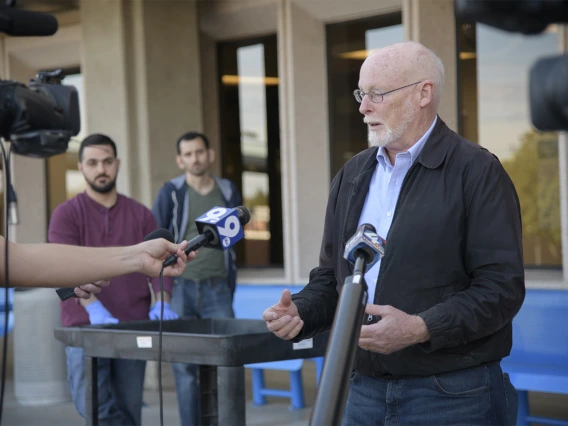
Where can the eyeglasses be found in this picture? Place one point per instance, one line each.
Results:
(375, 95)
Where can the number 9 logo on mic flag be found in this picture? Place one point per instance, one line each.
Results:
(224, 223)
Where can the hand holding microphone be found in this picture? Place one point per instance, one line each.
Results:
(146, 257)
(219, 228)
(83, 291)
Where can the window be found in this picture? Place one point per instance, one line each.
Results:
(495, 112)
(250, 143)
(348, 44)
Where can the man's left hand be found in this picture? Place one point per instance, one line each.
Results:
(395, 331)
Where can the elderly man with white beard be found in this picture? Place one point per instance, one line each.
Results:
(441, 300)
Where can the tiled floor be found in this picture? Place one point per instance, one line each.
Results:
(275, 413)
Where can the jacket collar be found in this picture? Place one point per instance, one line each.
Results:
(431, 156)
(436, 147)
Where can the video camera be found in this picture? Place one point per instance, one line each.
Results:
(548, 88)
(39, 119)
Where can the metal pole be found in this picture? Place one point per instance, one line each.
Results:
(334, 384)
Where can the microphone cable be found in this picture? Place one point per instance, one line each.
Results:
(160, 347)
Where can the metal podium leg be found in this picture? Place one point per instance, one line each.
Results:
(208, 415)
(231, 396)
(91, 391)
(222, 396)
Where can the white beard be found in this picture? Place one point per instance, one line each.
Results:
(387, 135)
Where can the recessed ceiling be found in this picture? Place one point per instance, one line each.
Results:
(49, 6)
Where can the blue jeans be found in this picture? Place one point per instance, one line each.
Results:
(480, 395)
(121, 385)
(211, 298)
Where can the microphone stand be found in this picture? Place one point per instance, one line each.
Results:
(342, 345)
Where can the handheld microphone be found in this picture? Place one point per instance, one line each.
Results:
(69, 292)
(367, 244)
(17, 22)
(219, 228)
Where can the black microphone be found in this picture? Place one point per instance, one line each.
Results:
(18, 22)
(220, 228)
(365, 246)
(69, 292)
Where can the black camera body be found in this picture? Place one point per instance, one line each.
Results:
(548, 76)
(41, 118)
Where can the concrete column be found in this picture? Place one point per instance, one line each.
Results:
(304, 140)
(432, 23)
(142, 84)
(105, 76)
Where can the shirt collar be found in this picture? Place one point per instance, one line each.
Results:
(414, 150)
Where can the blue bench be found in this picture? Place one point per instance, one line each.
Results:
(250, 301)
(539, 357)
(3, 308)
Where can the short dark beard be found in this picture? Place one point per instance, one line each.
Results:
(102, 189)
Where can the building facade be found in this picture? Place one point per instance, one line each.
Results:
(271, 82)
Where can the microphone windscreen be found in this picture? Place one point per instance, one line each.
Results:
(244, 214)
(28, 23)
(160, 233)
(369, 227)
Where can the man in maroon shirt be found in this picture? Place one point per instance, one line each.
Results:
(100, 217)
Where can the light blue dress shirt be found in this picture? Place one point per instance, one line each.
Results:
(384, 190)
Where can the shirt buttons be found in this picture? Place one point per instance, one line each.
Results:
(389, 214)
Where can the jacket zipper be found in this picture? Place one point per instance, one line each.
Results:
(379, 363)
(405, 180)
(176, 230)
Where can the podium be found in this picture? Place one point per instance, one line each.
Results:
(220, 346)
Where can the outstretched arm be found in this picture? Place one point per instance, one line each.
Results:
(59, 265)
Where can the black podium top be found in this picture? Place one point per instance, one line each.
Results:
(218, 341)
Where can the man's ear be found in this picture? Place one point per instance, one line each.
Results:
(427, 93)
(211, 153)
(179, 163)
(79, 166)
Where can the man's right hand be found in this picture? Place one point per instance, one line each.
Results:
(283, 318)
(98, 314)
(86, 290)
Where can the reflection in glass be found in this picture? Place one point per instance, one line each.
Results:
(495, 112)
(348, 45)
(252, 107)
(250, 142)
